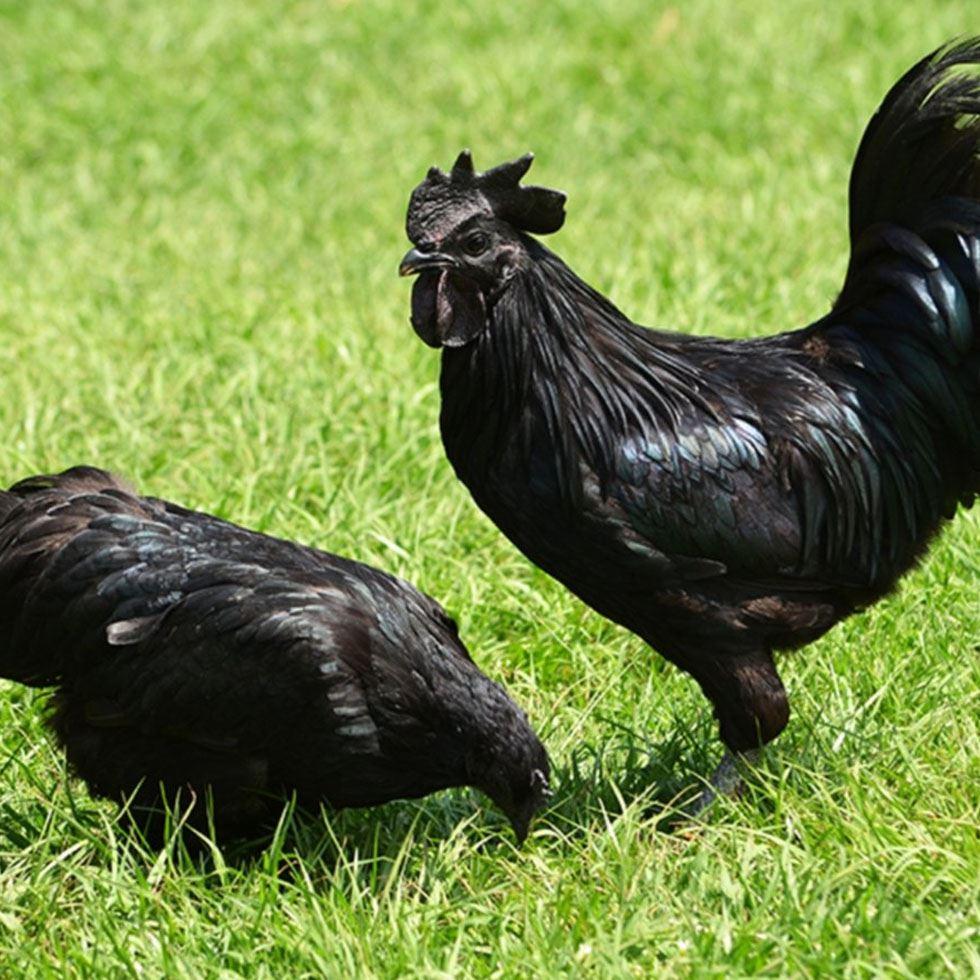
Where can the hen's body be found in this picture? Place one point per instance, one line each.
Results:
(725, 499)
(190, 652)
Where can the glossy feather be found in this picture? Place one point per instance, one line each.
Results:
(189, 652)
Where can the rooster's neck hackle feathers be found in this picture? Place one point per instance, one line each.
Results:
(559, 353)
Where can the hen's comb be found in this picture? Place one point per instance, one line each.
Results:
(539, 210)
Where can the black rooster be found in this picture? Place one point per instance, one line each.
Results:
(189, 652)
(722, 499)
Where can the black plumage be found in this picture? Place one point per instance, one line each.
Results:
(190, 653)
(722, 499)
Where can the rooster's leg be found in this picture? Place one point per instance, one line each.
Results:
(726, 780)
(752, 709)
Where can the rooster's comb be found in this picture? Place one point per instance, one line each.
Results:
(443, 200)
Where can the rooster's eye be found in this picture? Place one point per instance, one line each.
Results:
(475, 244)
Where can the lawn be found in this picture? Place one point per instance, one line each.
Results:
(201, 216)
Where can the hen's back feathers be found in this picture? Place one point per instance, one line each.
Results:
(82, 547)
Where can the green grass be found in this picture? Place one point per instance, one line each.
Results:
(201, 210)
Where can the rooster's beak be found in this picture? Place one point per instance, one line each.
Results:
(417, 261)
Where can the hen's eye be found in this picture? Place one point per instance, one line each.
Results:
(475, 244)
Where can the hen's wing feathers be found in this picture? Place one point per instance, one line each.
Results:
(136, 575)
(237, 636)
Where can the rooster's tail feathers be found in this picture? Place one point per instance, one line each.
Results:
(915, 209)
(923, 143)
(910, 308)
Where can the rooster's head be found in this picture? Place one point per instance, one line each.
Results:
(468, 231)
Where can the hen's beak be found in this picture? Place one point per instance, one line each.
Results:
(416, 260)
(521, 822)
(520, 818)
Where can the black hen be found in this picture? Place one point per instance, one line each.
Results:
(722, 499)
(188, 652)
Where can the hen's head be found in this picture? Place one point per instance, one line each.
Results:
(514, 771)
(467, 229)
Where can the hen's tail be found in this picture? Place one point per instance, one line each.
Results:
(911, 299)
